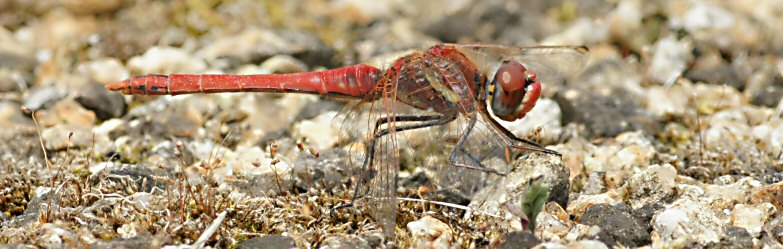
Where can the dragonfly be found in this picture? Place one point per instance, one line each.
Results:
(466, 84)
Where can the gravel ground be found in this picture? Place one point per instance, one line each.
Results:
(671, 134)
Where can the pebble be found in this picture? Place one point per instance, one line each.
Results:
(57, 137)
(112, 128)
(669, 100)
(727, 195)
(268, 241)
(104, 103)
(579, 206)
(710, 68)
(625, 22)
(630, 151)
(282, 63)
(593, 109)
(547, 169)
(771, 193)
(735, 237)
(519, 239)
(618, 225)
(669, 60)
(12, 80)
(54, 236)
(322, 132)
(429, 232)
(581, 244)
(752, 217)
(13, 120)
(546, 115)
(770, 134)
(255, 43)
(104, 70)
(656, 184)
(166, 60)
(713, 98)
(137, 178)
(770, 96)
(42, 97)
(142, 242)
(687, 219)
(92, 7)
(66, 111)
(179, 121)
(348, 241)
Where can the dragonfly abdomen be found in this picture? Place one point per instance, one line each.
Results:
(351, 81)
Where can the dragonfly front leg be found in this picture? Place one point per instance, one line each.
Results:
(459, 147)
(509, 138)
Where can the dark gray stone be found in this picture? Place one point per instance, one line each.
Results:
(527, 169)
(104, 103)
(272, 241)
(130, 243)
(606, 116)
(42, 97)
(734, 238)
(769, 96)
(519, 240)
(722, 74)
(618, 225)
(15, 246)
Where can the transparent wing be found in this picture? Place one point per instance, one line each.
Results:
(551, 63)
(376, 172)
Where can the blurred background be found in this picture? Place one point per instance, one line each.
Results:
(695, 87)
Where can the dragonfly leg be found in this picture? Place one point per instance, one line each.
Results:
(426, 121)
(523, 144)
(459, 147)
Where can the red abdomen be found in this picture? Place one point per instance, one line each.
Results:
(352, 81)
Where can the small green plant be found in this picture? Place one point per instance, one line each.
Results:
(532, 204)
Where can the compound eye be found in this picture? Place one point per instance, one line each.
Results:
(511, 76)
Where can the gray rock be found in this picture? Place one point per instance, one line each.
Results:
(14, 246)
(104, 103)
(721, 74)
(770, 96)
(734, 237)
(15, 59)
(35, 207)
(11, 80)
(181, 120)
(42, 97)
(258, 44)
(548, 169)
(618, 225)
(271, 241)
(136, 178)
(774, 229)
(62, 136)
(518, 240)
(595, 183)
(130, 243)
(605, 115)
(350, 242)
(326, 172)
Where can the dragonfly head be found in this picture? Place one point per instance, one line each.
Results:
(515, 91)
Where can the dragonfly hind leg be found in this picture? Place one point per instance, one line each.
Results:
(425, 121)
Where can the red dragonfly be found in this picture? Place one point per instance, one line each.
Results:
(445, 83)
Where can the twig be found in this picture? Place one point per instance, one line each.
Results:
(451, 205)
(209, 231)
